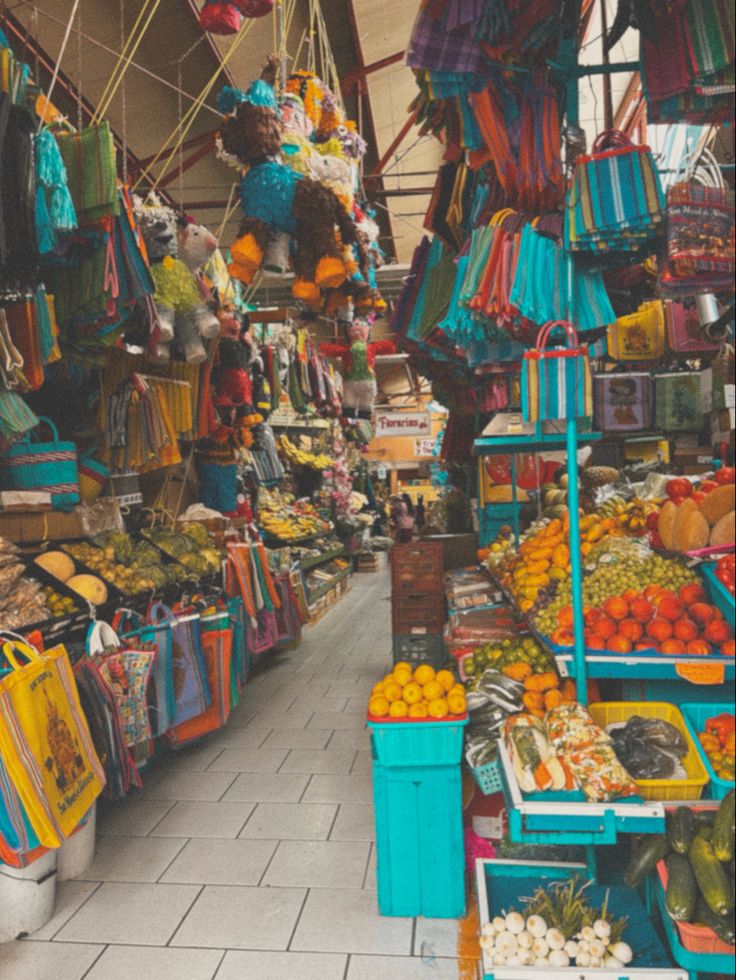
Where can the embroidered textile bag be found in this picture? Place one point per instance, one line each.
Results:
(557, 383)
(45, 742)
(623, 402)
(678, 400)
(638, 336)
(217, 636)
(133, 631)
(44, 466)
(17, 836)
(684, 333)
(191, 690)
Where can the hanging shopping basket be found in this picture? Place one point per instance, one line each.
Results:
(49, 467)
(556, 383)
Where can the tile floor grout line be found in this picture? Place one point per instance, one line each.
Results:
(219, 965)
(307, 893)
(167, 944)
(95, 961)
(283, 761)
(352, 764)
(348, 958)
(268, 865)
(334, 820)
(309, 781)
(94, 890)
(163, 817)
(221, 798)
(185, 841)
(247, 819)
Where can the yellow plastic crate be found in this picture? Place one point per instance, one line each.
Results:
(619, 712)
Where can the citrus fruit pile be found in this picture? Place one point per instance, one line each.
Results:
(417, 694)
(659, 619)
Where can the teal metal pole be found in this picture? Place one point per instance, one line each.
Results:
(515, 502)
(573, 503)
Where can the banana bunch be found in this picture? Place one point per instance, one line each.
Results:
(630, 516)
(300, 457)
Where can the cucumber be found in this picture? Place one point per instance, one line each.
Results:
(723, 828)
(711, 877)
(645, 856)
(705, 818)
(723, 927)
(681, 829)
(682, 888)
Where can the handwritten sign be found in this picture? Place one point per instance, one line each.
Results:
(403, 424)
(423, 447)
(705, 673)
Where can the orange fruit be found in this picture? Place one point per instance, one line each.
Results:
(631, 629)
(670, 607)
(378, 688)
(692, 593)
(642, 610)
(717, 632)
(388, 679)
(701, 612)
(701, 648)
(417, 710)
(392, 691)
(433, 690)
(378, 707)
(619, 644)
(402, 675)
(673, 646)
(686, 630)
(728, 649)
(457, 689)
(438, 708)
(403, 664)
(423, 674)
(399, 709)
(456, 704)
(446, 679)
(412, 693)
(604, 627)
(659, 628)
(616, 607)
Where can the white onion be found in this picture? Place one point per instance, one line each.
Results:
(506, 944)
(582, 959)
(525, 939)
(526, 957)
(612, 962)
(558, 957)
(488, 930)
(513, 961)
(541, 961)
(588, 934)
(515, 923)
(536, 925)
(602, 929)
(597, 949)
(486, 943)
(499, 960)
(571, 948)
(540, 948)
(499, 924)
(622, 951)
(555, 939)
(583, 946)
(596, 963)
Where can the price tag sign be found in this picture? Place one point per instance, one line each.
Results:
(705, 673)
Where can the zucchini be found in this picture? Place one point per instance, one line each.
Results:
(682, 889)
(711, 877)
(705, 818)
(681, 829)
(645, 856)
(723, 927)
(723, 828)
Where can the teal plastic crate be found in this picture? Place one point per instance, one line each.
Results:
(488, 777)
(695, 716)
(491, 519)
(417, 743)
(719, 594)
(420, 855)
(419, 648)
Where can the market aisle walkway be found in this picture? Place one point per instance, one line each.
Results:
(251, 854)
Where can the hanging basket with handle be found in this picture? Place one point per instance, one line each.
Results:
(50, 467)
(556, 383)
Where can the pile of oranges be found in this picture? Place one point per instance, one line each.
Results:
(417, 694)
(655, 619)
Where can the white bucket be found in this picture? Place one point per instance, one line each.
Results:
(27, 897)
(78, 851)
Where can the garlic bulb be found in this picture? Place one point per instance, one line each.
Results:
(506, 944)
(622, 951)
(571, 948)
(540, 948)
(612, 962)
(515, 923)
(536, 925)
(525, 939)
(555, 939)
(602, 929)
(597, 949)
(499, 924)
(558, 957)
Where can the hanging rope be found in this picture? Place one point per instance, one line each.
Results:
(124, 107)
(104, 103)
(122, 54)
(57, 66)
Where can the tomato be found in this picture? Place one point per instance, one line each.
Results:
(726, 474)
(707, 485)
(679, 487)
(652, 521)
(726, 571)
(699, 496)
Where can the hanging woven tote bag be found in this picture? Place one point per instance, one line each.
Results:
(191, 690)
(556, 383)
(133, 632)
(43, 466)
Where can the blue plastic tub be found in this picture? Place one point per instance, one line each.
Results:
(719, 594)
(695, 716)
(417, 743)
(419, 841)
(491, 519)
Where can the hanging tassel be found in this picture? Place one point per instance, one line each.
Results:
(45, 236)
(63, 215)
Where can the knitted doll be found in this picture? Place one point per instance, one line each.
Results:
(179, 305)
(195, 248)
(276, 199)
(359, 378)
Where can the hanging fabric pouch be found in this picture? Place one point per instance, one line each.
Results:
(623, 402)
(191, 689)
(43, 466)
(556, 383)
(638, 336)
(133, 631)
(679, 401)
(684, 332)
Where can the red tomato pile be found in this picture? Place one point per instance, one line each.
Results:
(726, 572)
(655, 619)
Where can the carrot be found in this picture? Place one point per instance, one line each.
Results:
(542, 776)
(542, 682)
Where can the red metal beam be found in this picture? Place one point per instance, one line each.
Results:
(189, 144)
(395, 144)
(187, 164)
(359, 74)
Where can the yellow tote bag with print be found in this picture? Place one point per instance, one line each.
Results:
(45, 742)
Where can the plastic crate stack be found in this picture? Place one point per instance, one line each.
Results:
(418, 605)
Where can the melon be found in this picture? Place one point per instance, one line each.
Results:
(90, 588)
(694, 534)
(685, 511)
(718, 503)
(666, 524)
(56, 563)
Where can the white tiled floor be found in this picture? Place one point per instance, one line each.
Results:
(250, 856)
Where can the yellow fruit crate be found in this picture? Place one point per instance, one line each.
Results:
(691, 788)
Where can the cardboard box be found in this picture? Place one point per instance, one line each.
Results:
(33, 526)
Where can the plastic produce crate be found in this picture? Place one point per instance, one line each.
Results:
(420, 648)
(695, 716)
(695, 939)
(410, 610)
(417, 566)
(615, 712)
(417, 743)
(492, 518)
(488, 777)
(719, 594)
(419, 841)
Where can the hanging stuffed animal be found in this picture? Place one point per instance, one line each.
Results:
(220, 17)
(181, 311)
(359, 377)
(254, 8)
(276, 199)
(196, 246)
